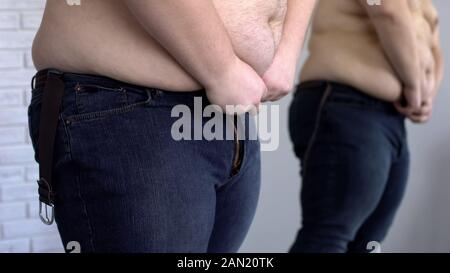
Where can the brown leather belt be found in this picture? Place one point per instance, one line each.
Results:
(53, 91)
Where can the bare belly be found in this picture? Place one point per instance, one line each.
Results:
(352, 59)
(344, 47)
(102, 37)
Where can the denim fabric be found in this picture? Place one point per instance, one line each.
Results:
(354, 166)
(123, 184)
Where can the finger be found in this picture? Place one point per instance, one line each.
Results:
(237, 109)
(420, 118)
(275, 99)
(428, 102)
(413, 99)
(254, 110)
(266, 93)
(267, 98)
(280, 96)
(424, 110)
(218, 108)
(423, 119)
(423, 114)
(270, 96)
(415, 119)
(401, 109)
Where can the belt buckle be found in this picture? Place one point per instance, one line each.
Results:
(44, 205)
(44, 217)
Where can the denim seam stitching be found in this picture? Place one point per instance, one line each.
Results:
(99, 87)
(85, 211)
(78, 185)
(312, 140)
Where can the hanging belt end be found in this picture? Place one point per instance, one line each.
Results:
(44, 213)
(45, 202)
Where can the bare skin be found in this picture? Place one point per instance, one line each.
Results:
(226, 47)
(377, 50)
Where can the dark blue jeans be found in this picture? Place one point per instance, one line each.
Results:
(123, 184)
(354, 166)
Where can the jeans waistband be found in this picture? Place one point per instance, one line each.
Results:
(71, 79)
(346, 94)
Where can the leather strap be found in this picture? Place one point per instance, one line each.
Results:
(52, 96)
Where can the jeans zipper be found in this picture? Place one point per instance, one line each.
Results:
(237, 160)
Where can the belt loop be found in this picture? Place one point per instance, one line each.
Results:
(151, 95)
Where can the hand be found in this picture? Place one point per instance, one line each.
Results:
(404, 105)
(428, 96)
(421, 116)
(279, 78)
(428, 92)
(238, 90)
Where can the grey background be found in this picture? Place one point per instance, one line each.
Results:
(423, 221)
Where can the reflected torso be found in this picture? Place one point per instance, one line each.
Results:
(344, 47)
(102, 37)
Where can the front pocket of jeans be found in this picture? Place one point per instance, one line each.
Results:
(97, 102)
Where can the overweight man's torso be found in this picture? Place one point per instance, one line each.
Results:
(344, 47)
(102, 37)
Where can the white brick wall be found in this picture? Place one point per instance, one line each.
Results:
(20, 227)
